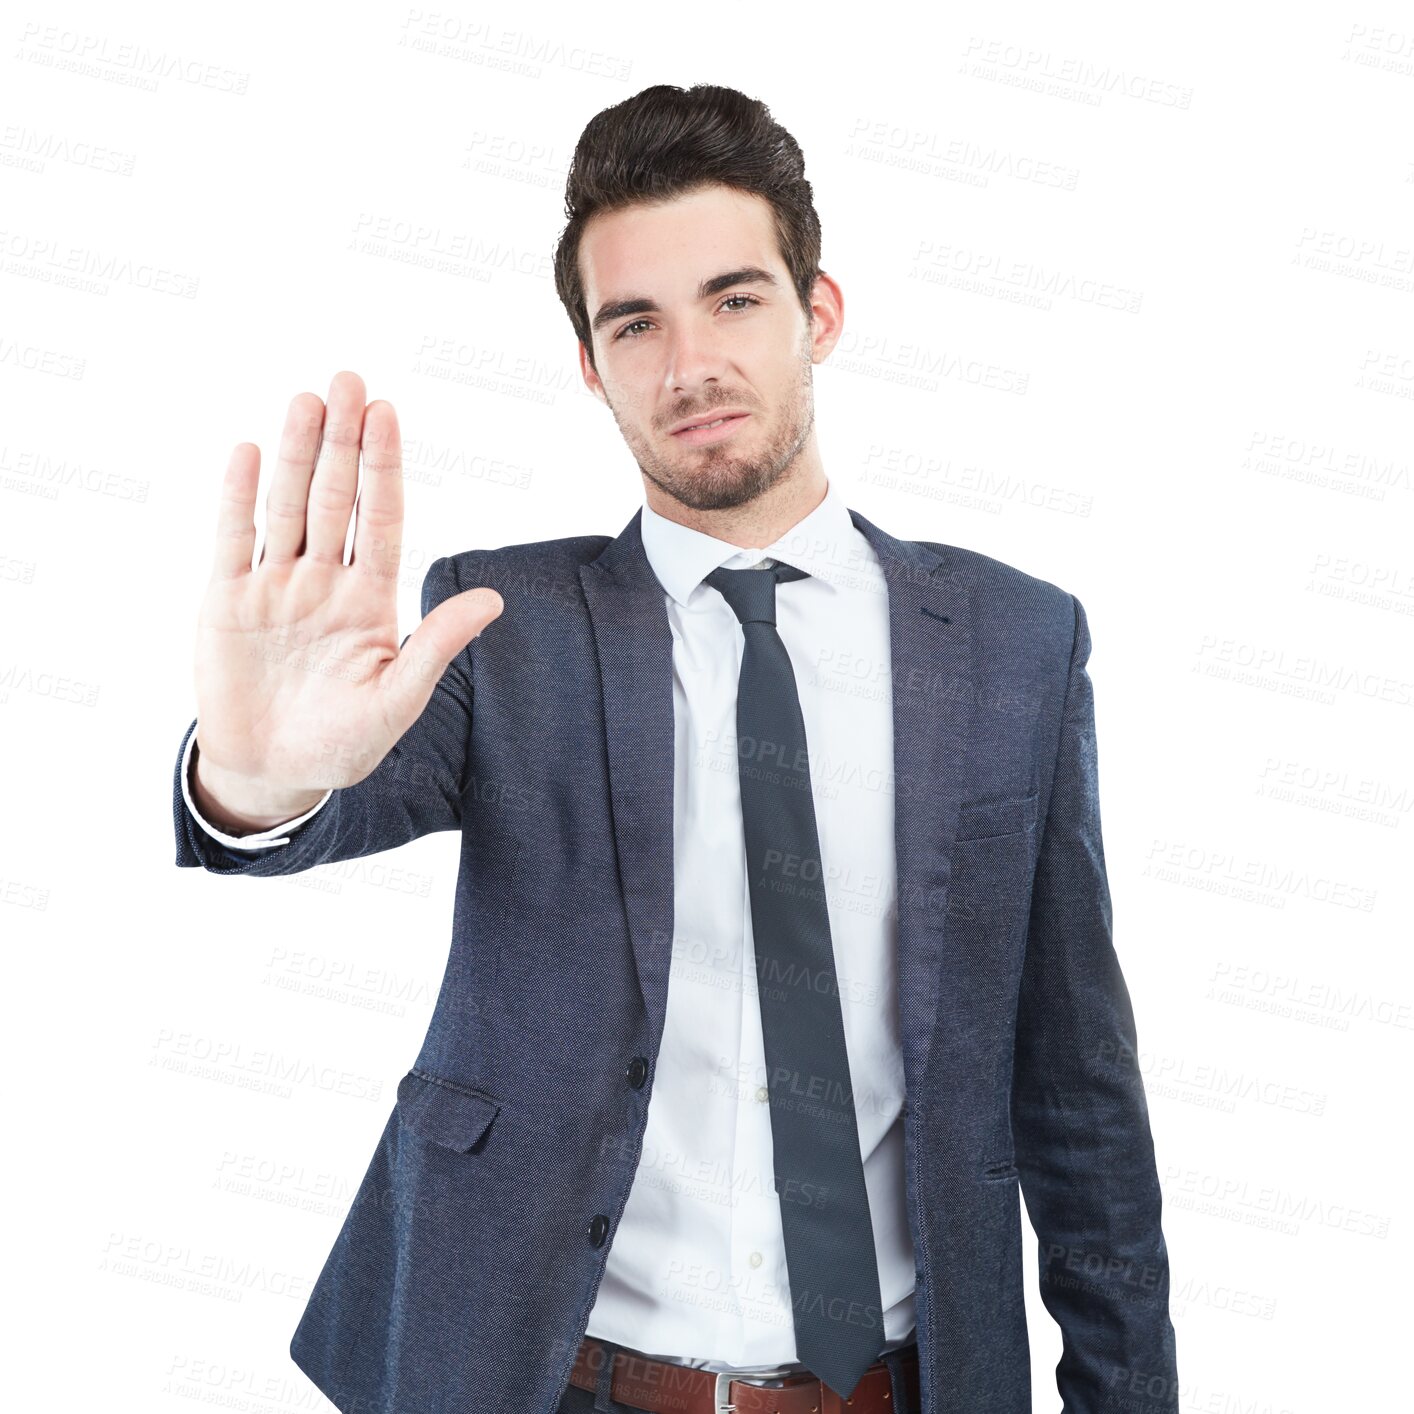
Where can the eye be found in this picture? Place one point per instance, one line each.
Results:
(748, 301)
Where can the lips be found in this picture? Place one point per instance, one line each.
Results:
(695, 423)
(721, 429)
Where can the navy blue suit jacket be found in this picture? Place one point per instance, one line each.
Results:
(467, 1265)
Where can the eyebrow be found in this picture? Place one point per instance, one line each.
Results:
(641, 304)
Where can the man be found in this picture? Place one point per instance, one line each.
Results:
(781, 963)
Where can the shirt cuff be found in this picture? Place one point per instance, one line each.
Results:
(261, 839)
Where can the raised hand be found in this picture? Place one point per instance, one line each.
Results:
(300, 682)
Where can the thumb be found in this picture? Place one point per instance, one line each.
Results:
(427, 651)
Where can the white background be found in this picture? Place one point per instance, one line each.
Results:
(1128, 301)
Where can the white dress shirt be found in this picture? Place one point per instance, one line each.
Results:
(697, 1269)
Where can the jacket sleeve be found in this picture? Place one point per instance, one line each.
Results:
(415, 790)
(1080, 1123)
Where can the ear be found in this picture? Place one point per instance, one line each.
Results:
(827, 307)
(591, 378)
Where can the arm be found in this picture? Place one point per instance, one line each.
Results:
(415, 790)
(1079, 1118)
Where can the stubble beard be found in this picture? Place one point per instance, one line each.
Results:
(714, 477)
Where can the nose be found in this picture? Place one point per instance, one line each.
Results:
(695, 359)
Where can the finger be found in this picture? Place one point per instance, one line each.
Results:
(425, 654)
(289, 487)
(235, 520)
(335, 482)
(378, 527)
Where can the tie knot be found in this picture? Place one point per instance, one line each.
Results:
(752, 593)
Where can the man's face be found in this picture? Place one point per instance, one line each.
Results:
(676, 343)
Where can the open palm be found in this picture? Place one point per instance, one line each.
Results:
(300, 682)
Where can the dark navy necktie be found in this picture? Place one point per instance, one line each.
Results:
(819, 1173)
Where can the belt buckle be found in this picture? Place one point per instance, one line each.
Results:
(722, 1392)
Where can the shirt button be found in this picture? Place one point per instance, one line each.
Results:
(755, 1259)
(763, 1094)
(637, 1072)
(598, 1229)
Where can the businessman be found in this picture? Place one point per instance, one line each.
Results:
(781, 965)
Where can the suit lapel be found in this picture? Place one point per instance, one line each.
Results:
(635, 648)
(930, 651)
(931, 657)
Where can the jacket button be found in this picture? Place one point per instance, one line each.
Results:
(637, 1072)
(598, 1229)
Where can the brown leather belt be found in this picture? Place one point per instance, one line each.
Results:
(665, 1388)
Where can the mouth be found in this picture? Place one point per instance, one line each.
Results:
(711, 429)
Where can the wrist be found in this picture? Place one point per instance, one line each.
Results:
(240, 806)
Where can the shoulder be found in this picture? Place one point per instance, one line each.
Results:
(1002, 594)
(537, 568)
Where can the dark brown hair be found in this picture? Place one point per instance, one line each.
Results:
(665, 141)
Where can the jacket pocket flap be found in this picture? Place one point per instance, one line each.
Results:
(444, 1111)
(979, 819)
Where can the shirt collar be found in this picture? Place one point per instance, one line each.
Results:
(819, 543)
